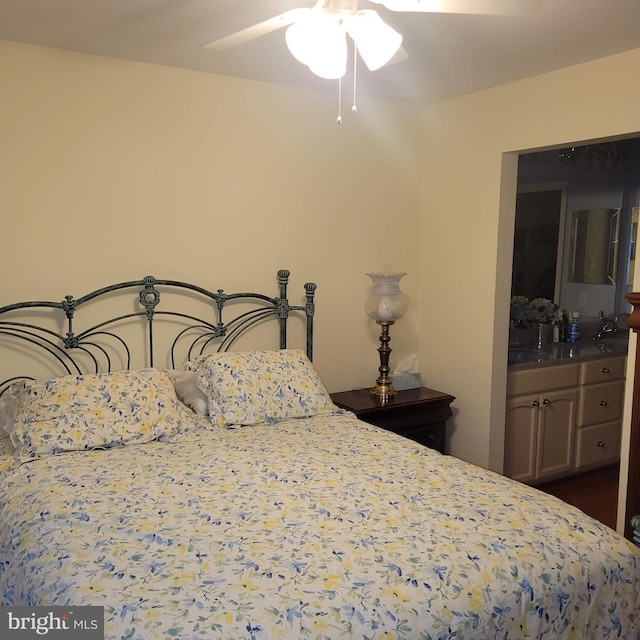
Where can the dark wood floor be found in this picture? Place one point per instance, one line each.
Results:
(595, 493)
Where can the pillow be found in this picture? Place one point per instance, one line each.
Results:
(188, 391)
(262, 386)
(7, 411)
(73, 413)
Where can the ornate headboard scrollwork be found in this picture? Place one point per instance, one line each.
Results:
(71, 339)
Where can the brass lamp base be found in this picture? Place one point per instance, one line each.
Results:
(384, 387)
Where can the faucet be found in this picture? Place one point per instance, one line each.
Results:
(608, 327)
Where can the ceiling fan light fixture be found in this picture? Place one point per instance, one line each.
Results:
(400, 5)
(319, 41)
(332, 64)
(377, 42)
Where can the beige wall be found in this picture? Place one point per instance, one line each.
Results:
(112, 170)
(468, 216)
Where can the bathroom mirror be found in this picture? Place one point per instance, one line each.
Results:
(537, 238)
(593, 246)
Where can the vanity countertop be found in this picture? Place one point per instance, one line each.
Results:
(564, 352)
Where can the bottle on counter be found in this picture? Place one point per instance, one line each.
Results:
(574, 330)
(564, 325)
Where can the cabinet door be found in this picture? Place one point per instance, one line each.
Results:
(520, 438)
(556, 433)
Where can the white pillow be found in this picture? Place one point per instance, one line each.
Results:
(7, 412)
(188, 391)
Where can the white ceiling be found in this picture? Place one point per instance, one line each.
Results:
(449, 55)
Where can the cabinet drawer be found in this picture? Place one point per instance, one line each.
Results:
(600, 403)
(602, 370)
(542, 379)
(598, 445)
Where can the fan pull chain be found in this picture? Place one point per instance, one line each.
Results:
(354, 108)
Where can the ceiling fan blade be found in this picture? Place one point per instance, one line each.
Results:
(479, 7)
(258, 30)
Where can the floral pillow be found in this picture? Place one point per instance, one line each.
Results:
(71, 413)
(262, 386)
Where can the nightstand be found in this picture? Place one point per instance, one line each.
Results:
(418, 414)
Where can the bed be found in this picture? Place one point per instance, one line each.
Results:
(221, 494)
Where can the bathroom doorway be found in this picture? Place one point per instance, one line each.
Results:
(559, 192)
(581, 174)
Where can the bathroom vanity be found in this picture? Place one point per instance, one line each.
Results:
(564, 410)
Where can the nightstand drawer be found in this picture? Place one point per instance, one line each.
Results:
(433, 437)
(417, 414)
(410, 417)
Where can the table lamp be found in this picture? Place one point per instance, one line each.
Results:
(385, 304)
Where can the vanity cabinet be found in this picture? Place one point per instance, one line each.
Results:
(563, 419)
(540, 422)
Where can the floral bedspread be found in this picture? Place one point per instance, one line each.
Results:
(311, 528)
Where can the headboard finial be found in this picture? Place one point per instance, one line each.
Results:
(69, 305)
(149, 297)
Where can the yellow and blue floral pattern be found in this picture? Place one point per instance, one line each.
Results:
(95, 410)
(262, 386)
(320, 528)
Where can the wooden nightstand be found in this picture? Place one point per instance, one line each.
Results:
(418, 414)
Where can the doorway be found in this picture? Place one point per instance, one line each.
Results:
(590, 170)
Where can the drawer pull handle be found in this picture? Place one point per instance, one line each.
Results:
(600, 443)
(535, 403)
(603, 403)
(605, 370)
(546, 401)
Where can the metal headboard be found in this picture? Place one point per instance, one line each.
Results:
(51, 329)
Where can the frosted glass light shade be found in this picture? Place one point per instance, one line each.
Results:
(386, 301)
(319, 41)
(408, 5)
(377, 42)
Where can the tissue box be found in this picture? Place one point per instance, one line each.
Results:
(406, 381)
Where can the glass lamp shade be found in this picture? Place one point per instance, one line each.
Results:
(377, 42)
(386, 302)
(320, 42)
(405, 5)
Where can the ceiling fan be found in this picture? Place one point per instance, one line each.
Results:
(316, 35)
